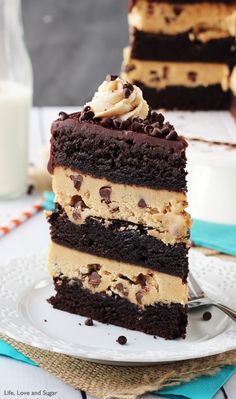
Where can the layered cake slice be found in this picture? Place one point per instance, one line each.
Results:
(120, 230)
(182, 52)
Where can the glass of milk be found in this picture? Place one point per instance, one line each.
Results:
(15, 101)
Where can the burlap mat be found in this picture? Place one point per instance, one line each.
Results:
(106, 382)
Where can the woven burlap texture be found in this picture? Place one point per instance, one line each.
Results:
(106, 382)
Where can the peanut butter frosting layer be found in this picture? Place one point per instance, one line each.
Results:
(160, 74)
(205, 21)
(101, 275)
(84, 196)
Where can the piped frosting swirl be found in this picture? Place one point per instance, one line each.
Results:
(117, 98)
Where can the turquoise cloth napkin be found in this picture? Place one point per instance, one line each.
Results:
(9, 351)
(201, 388)
(220, 237)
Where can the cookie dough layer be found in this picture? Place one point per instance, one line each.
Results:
(160, 74)
(119, 240)
(206, 21)
(162, 210)
(142, 287)
(154, 319)
(181, 47)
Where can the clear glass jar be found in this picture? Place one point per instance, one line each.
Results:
(15, 101)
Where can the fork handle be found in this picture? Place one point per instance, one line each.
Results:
(230, 312)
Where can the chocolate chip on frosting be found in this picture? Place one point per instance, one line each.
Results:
(136, 126)
(77, 202)
(142, 203)
(94, 279)
(86, 115)
(129, 86)
(156, 132)
(126, 93)
(110, 77)
(63, 116)
(105, 194)
(77, 180)
(107, 122)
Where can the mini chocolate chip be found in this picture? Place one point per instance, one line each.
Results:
(177, 10)
(122, 340)
(45, 321)
(107, 122)
(141, 280)
(172, 135)
(86, 116)
(154, 336)
(136, 126)
(122, 289)
(169, 19)
(156, 132)
(165, 130)
(87, 108)
(125, 124)
(94, 279)
(77, 180)
(207, 316)
(126, 93)
(30, 189)
(63, 116)
(129, 86)
(105, 194)
(165, 72)
(154, 116)
(116, 209)
(117, 123)
(139, 296)
(148, 129)
(142, 203)
(77, 202)
(160, 118)
(192, 76)
(88, 322)
(110, 77)
(76, 215)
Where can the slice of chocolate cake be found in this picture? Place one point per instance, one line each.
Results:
(120, 230)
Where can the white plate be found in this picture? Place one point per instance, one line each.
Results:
(26, 316)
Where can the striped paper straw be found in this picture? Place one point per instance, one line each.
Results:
(25, 215)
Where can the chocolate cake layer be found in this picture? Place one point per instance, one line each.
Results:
(161, 47)
(121, 241)
(165, 320)
(187, 98)
(120, 156)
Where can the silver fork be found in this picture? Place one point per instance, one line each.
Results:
(197, 298)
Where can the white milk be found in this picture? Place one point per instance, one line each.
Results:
(15, 103)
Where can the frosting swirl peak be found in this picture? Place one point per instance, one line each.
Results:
(118, 98)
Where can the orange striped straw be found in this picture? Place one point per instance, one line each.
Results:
(25, 215)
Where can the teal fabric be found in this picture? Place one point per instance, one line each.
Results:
(9, 351)
(48, 203)
(220, 237)
(204, 387)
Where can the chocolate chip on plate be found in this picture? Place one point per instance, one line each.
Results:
(207, 316)
(88, 322)
(122, 340)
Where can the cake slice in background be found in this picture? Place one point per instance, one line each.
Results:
(120, 230)
(182, 53)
